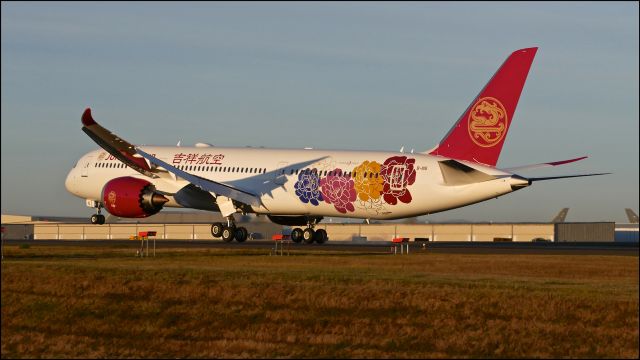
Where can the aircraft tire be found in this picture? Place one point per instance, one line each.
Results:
(95, 220)
(308, 236)
(241, 234)
(321, 236)
(101, 220)
(216, 229)
(296, 235)
(228, 233)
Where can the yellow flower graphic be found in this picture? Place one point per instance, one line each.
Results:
(367, 180)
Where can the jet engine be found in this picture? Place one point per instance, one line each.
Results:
(131, 197)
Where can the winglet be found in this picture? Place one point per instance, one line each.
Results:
(87, 120)
(114, 145)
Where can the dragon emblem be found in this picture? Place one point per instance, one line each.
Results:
(487, 122)
(112, 198)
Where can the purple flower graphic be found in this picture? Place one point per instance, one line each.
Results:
(307, 187)
(339, 191)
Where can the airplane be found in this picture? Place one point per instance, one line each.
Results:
(633, 217)
(561, 216)
(299, 187)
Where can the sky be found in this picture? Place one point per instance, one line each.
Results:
(343, 75)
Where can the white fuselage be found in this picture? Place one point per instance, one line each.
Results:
(386, 185)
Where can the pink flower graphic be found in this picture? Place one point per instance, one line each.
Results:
(398, 172)
(338, 190)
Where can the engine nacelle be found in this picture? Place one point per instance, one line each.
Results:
(131, 197)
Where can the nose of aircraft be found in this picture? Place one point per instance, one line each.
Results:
(69, 183)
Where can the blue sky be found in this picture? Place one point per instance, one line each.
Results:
(348, 75)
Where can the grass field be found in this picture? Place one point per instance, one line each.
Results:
(75, 302)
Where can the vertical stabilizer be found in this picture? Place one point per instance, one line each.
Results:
(633, 217)
(480, 132)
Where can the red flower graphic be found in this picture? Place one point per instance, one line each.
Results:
(339, 191)
(398, 172)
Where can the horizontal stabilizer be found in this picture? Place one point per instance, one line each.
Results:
(456, 173)
(542, 165)
(563, 177)
(206, 184)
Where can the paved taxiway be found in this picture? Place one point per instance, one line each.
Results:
(600, 248)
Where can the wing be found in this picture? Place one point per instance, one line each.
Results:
(134, 157)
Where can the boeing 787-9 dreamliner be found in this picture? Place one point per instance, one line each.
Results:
(298, 187)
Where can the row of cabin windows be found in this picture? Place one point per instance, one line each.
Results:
(110, 165)
(196, 168)
(347, 174)
(234, 169)
(249, 170)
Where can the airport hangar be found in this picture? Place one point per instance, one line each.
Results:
(197, 226)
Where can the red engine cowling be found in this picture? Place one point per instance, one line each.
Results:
(131, 197)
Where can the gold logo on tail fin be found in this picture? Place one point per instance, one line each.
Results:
(488, 122)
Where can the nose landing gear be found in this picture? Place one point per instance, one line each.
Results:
(98, 218)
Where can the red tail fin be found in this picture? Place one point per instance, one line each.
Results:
(481, 130)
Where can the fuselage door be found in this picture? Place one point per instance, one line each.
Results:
(84, 169)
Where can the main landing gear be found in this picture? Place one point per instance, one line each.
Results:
(309, 235)
(98, 218)
(229, 231)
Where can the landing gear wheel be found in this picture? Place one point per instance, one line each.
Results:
(228, 233)
(97, 219)
(216, 229)
(296, 235)
(321, 236)
(241, 234)
(308, 235)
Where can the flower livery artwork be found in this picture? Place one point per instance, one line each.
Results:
(367, 180)
(372, 184)
(338, 190)
(307, 187)
(398, 173)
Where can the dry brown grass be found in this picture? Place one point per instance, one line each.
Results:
(103, 302)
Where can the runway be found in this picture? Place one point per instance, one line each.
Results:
(584, 248)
